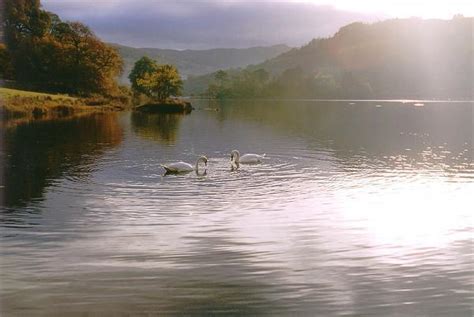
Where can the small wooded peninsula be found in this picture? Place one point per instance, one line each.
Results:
(50, 68)
(153, 85)
(54, 67)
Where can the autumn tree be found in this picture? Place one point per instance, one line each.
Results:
(23, 20)
(84, 61)
(51, 54)
(161, 83)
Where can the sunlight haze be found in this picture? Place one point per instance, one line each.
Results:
(212, 24)
(404, 8)
(236, 158)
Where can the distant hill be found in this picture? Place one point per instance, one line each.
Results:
(199, 62)
(399, 58)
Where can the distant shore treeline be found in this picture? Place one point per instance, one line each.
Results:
(400, 58)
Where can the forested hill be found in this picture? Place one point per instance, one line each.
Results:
(399, 58)
(198, 62)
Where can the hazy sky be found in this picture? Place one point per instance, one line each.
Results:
(198, 24)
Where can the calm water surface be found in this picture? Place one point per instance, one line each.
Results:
(361, 209)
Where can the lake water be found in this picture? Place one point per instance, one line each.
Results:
(361, 208)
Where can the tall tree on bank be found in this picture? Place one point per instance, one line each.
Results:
(6, 70)
(54, 55)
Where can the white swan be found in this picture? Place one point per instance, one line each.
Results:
(183, 167)
(246, 158)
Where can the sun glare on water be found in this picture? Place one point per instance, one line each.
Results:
(404, 218)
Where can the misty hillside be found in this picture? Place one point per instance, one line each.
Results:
(400, 58)
(199, 62)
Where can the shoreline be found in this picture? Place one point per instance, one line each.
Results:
(176, 105)
(26, 105)
(406, 100)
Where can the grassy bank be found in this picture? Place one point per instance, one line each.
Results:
(16, 103)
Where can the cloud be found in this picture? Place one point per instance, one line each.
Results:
(205, 24)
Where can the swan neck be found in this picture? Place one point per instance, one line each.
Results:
(199, 160)
(237, 157)
(197, 164)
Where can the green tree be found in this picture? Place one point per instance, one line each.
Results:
(355, 87)
(291, 83)
(221, 76)
(261, 75)
(212, 91)
(6, 70)
(143, 67)
(24, 19)
(220, 88)
(162, 83)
